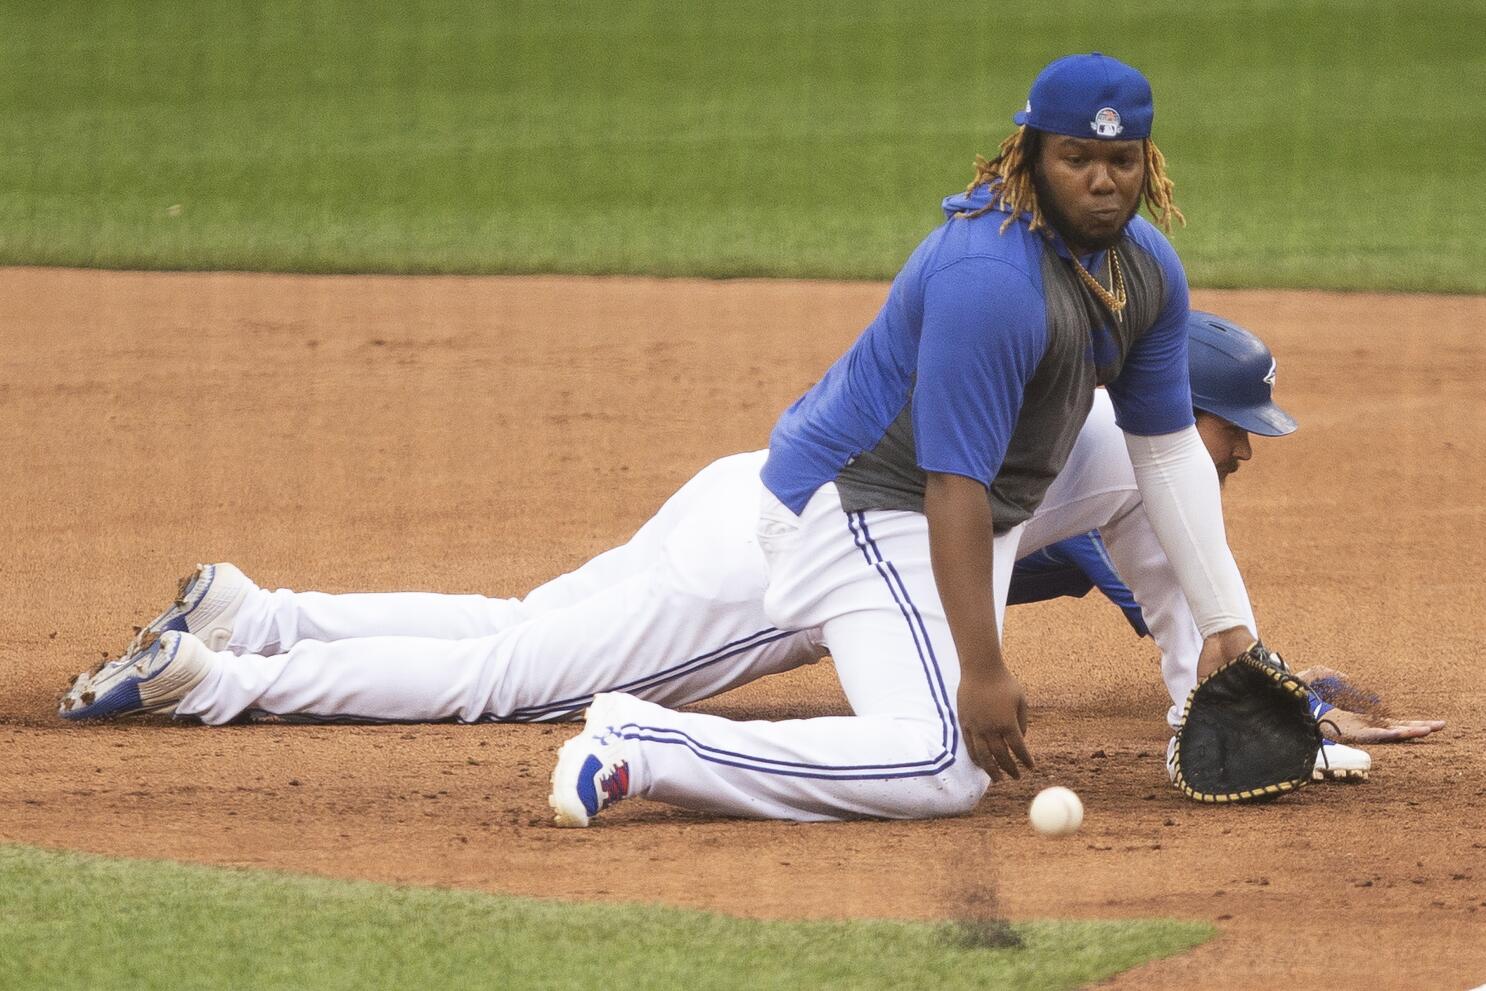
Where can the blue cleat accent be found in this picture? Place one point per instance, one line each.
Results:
(592, 771)
(587, 791)
(121, 699)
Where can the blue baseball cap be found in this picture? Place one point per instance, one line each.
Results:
(1090, 96)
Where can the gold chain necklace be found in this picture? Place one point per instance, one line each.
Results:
(1116, 300)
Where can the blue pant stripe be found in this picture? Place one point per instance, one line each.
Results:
(856, 522)
(873, 772)
(533, 713)
(949, 725)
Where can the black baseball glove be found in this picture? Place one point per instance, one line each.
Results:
(1247, 732)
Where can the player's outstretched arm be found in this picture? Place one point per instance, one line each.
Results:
(992, 708)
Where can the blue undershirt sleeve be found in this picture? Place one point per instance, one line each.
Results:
(1072, 567)
(984, 332)
(1046, 574)
(1152, 394)
(1089, 553)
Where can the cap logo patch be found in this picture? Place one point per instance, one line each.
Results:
(1273, 367)
(1106, 123)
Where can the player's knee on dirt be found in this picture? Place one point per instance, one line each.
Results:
(932, 796)
(954, 791)
(961, 787)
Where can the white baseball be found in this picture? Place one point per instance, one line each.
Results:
(1056, 811)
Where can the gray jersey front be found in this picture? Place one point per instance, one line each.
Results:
(1085, 347)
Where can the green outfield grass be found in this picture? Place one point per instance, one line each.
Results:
(1329, 144)
(70, 921)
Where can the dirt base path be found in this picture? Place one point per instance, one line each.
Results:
(484, 434)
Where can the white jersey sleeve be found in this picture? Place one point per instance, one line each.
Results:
(1179, 490)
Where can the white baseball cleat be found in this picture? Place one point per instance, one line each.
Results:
(206, 605)
(1339, 762)
(592, 771)
(152, 679)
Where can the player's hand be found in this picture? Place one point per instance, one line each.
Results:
(1353, 727)
(993, 717)
(1347, 724)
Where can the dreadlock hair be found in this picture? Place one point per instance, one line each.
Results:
(1010, 176)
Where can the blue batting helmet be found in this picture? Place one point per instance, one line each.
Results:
(1233, 376)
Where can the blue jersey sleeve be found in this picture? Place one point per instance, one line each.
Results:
(1152, 394)
(1072, 567)
(984, 333)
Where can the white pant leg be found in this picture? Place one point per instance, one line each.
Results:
(272, 622)
(866, 579)
(642, 636)
(686, 628)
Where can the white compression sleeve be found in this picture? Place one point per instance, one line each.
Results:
(1179, 487)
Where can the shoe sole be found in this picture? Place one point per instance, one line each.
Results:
(1350, 775)
(173, 616)
(125, 698)
(82, 701)
(1331, 772)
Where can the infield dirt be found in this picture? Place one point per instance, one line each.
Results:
(484, 434)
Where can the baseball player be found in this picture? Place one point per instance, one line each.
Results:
(897, 488)
(695, 563)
